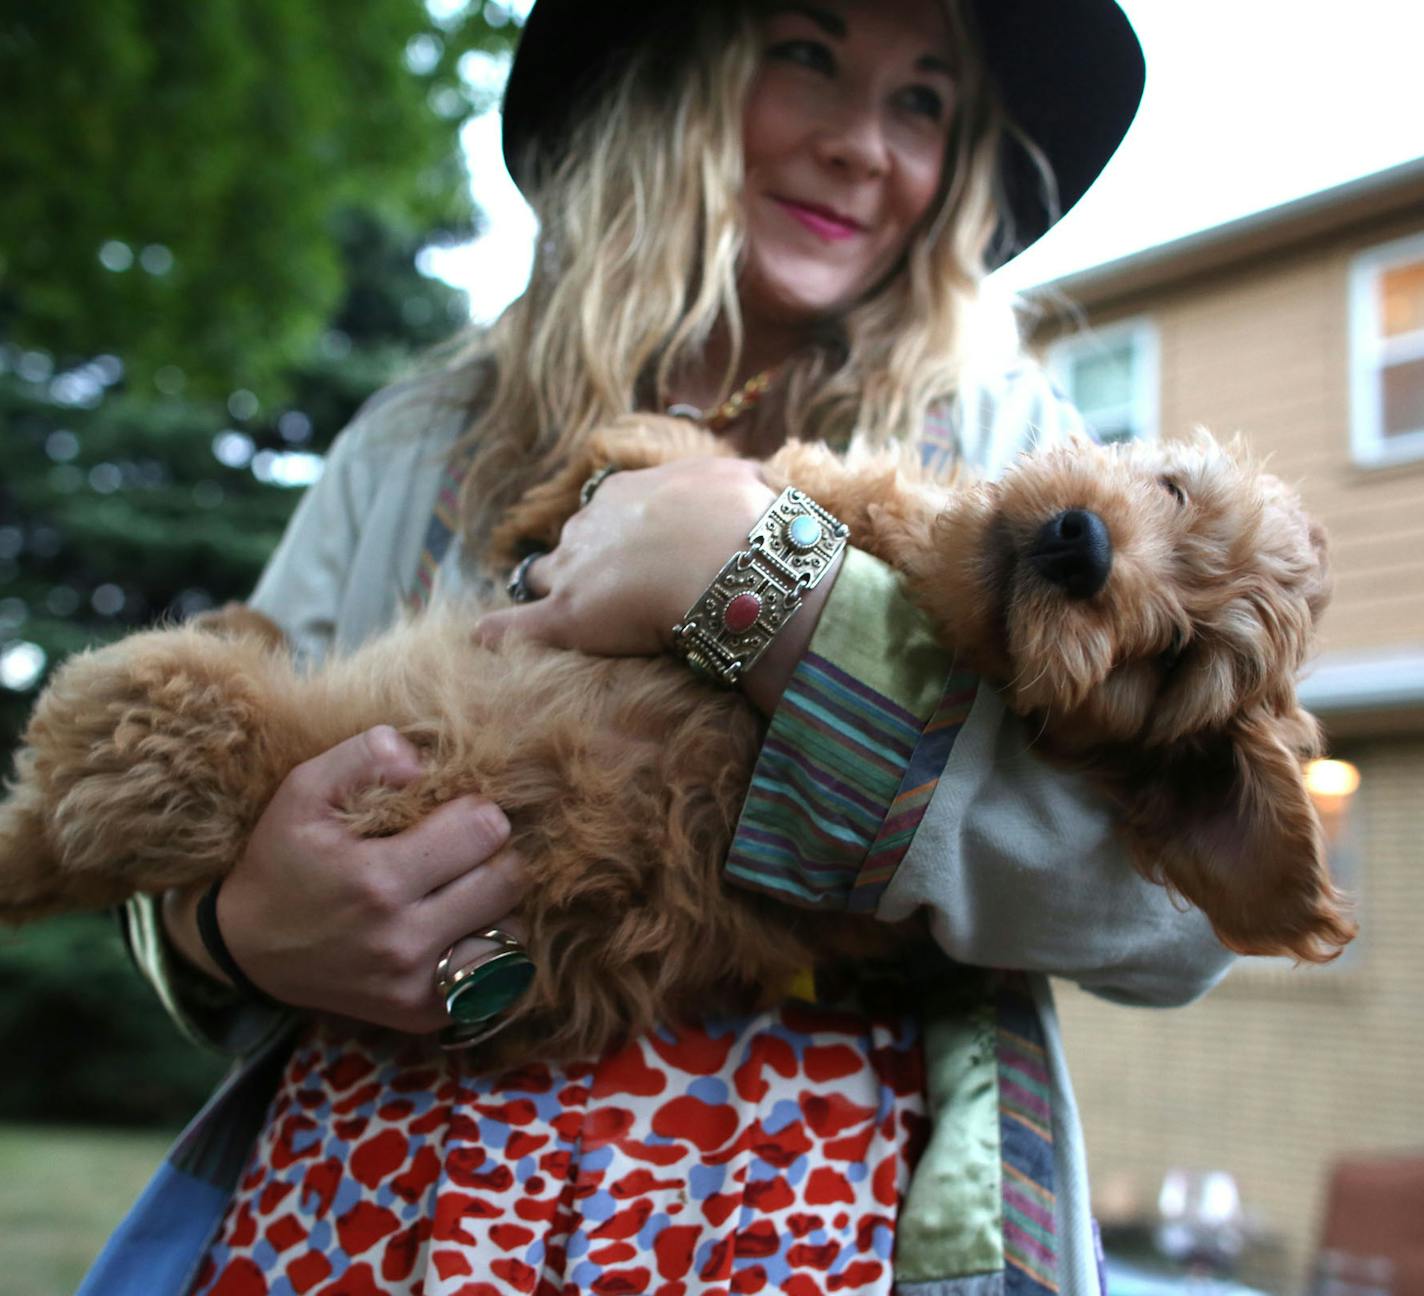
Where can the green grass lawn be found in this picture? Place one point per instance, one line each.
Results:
(62, 1191)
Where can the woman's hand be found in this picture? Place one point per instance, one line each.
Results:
(633, 561)
(320, 918)
(630, 563)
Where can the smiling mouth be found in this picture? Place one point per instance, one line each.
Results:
(821, 221)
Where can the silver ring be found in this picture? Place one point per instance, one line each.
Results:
(446, 980)
(497, 978)
(518, 585)
(596, 480)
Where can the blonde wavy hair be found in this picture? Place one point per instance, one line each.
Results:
(638, 256)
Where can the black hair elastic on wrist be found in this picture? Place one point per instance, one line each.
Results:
(211, 935)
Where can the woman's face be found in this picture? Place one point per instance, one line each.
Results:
(844, 134)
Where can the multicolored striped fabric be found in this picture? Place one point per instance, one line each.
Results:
(830, 767)
(929, 756)
(443, 520)
(939, 439)
(1026, 1145)
(853, 752)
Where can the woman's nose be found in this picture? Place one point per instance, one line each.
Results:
(853, 136)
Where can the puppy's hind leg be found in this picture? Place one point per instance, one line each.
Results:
(30, 886)
(144, 766)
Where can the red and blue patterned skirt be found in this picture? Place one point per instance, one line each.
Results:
(764, 1154)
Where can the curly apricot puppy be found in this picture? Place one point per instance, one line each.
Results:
(1145, 609)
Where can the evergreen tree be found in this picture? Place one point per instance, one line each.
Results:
(171, 170)
(158, 418)
(115, 511)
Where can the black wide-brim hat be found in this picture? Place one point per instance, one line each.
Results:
(1069, 74)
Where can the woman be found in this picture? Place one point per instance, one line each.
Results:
(779, 214)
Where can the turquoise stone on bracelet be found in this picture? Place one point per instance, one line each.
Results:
(804, 532)
(490, 988)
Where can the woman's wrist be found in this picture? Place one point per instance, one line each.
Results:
(767, 680)
(179, 910)
(750, 625)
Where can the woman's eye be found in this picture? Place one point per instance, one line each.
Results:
(808, 53)
(1172, 489)
(923, 101)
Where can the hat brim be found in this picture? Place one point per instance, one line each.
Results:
(1069, 73)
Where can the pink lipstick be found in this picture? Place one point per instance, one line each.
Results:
(822, 222)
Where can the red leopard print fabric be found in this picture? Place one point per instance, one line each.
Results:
(767, 1154)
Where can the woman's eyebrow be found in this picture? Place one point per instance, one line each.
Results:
(834, 25)
(933, 63)
(831, 23)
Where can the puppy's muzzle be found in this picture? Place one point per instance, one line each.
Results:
(1074, 552)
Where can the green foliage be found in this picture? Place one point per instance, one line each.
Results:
(115, 508)
(267, 170)
(172, 171)
(84, 1039)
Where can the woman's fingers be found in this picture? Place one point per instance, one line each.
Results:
(631, 563)
(320, 918)
(481, 898)
(448, 843)
(479, 901)
(377, 756)
(539, 576)
(546, 622)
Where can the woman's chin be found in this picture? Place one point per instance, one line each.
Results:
(794, 305)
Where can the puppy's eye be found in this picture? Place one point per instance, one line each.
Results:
(1172, 489)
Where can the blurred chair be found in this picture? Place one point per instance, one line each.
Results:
(1372, 1239)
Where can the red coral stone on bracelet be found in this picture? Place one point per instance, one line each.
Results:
(741, 613)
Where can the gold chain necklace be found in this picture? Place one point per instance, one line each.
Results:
(731, 409)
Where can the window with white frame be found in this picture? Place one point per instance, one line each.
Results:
(1110, 375)
(1387, 352)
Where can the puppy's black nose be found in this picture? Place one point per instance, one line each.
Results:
(1074, 552)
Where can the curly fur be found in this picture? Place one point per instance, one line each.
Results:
(147, 762)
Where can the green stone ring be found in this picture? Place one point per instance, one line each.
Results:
(477, 993)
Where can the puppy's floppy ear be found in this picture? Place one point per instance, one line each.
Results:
(1225, 820)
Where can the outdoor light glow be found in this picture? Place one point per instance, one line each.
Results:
(422, 54)
(1220, 1198)
(233, 449)
(106, 478)
(34, 366)
(287, 467)
(21, 664)
(295, 427)
(108, 600)
(156, 259)
(1331, 778)
(61, 445)
(242, 404)
(116, 255)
